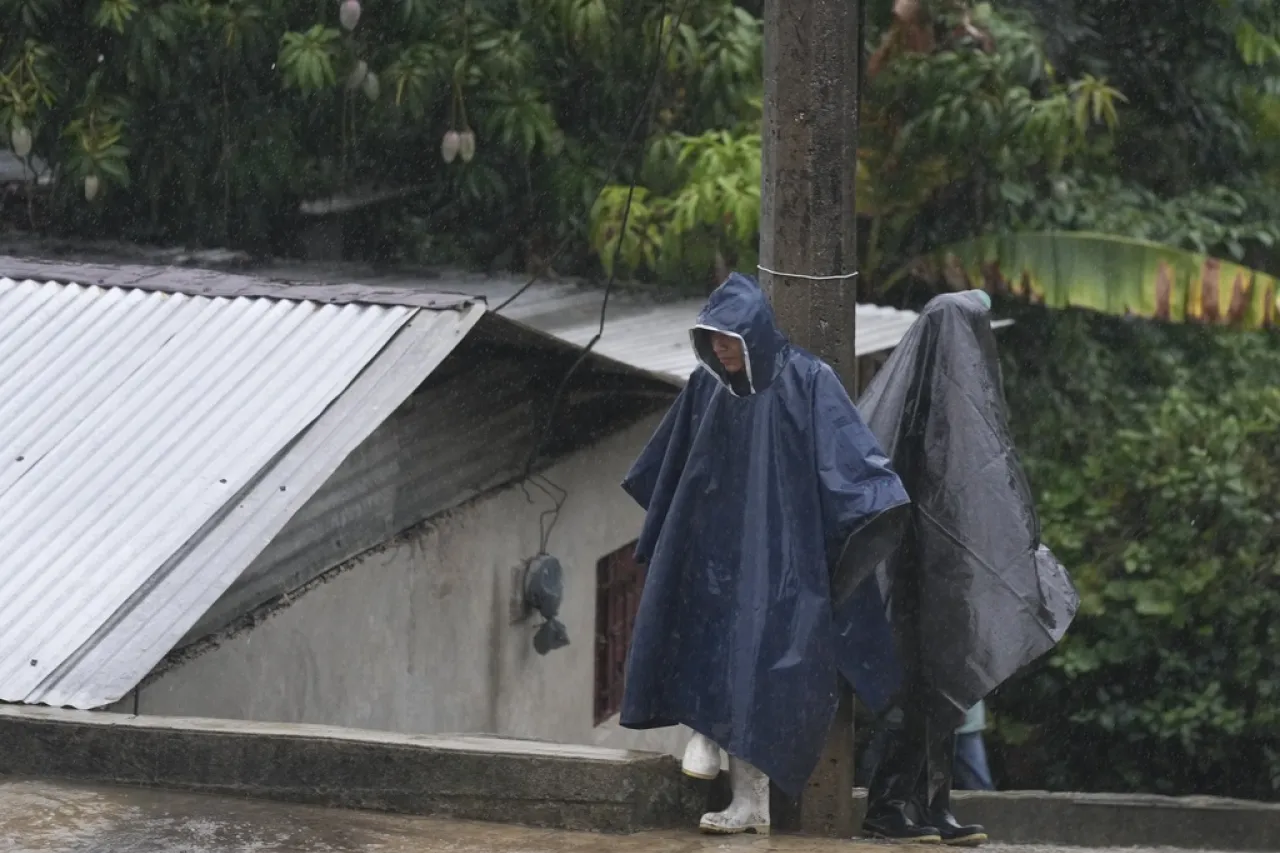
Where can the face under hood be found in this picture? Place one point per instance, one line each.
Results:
(738, 307)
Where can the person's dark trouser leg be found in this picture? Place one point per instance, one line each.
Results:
(972, 772)
(938, 813)
(895, 781)
(876, 746)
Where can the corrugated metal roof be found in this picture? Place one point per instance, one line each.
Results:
(193, 281)
(640, 331)
(656, 339)
(654, 336)
(153, 444)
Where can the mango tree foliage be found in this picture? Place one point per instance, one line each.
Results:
(998, 118)
(707, 218)
(211, 120)
(938, 119)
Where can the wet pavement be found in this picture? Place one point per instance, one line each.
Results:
(48, 817)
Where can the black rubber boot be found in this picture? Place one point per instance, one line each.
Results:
(956, 834)
(895, 825)
(891, 823)
(889, 797)
(939, 815)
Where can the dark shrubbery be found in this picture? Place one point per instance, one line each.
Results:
(1155, 454)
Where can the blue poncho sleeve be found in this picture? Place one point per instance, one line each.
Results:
(864, 504)
(652, 480)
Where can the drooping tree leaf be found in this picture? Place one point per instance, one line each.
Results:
(1112, 275)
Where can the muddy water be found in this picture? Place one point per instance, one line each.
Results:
(47, 817)
(44, 817)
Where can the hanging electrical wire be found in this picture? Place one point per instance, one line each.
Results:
(547, 520)
(645, 111)
(651, 102)
(645, 114)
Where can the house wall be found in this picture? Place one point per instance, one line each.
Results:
(468, 429)
(416, 635)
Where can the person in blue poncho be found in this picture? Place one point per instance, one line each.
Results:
(763, 491)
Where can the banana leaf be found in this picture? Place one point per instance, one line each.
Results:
(1112, 275)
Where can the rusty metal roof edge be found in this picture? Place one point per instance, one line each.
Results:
(193, 281)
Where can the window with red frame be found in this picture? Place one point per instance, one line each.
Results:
(619, 579)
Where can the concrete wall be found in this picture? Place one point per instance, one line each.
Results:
(416, 637)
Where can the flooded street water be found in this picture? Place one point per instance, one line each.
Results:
(49, 817)
(45, 817)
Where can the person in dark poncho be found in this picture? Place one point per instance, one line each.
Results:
(972, 593)
(759, 483)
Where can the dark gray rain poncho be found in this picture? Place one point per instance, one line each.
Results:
(972, 593)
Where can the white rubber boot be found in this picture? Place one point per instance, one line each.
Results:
(749, 811)
(701, 758)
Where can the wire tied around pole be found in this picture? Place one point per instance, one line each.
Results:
(842, 277)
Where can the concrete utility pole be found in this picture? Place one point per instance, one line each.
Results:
(812, 59)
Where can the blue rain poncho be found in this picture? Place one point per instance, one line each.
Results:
(758, 487)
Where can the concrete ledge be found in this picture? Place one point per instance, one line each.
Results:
(536, 783)
(468, 777)
(1117, 820)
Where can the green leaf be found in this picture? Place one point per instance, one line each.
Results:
(1113, 275)
(307, 59)
(114, 14)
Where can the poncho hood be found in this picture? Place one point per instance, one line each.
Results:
(739, 307)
